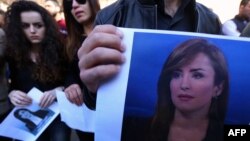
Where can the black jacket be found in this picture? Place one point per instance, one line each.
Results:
(136, 14)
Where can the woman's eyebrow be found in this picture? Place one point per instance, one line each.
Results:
(197, 69)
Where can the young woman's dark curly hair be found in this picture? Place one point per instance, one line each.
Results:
(51, 50)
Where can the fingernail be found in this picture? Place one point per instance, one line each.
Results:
(119, 32)
(123, 58)
(123, 47)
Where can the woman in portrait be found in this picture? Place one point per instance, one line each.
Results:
(193, 91)
(33, 120)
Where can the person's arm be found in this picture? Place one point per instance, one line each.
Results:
(100, 57)
(230, 28)
(73, 84)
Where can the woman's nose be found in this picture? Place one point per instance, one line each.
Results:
(74, 4)
(185, 83)
(32, 29)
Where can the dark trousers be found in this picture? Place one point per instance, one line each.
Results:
(85, 136)
(56, 131)
(2, 117)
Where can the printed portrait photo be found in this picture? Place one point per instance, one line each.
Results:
(33, 121)
(173, 74)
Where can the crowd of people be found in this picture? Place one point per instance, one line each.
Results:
(76, 46)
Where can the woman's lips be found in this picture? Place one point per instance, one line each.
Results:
(185, 97)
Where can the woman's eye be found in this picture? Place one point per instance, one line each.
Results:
(176, 74)
(198, 75)
(38, 25)
(25, 26)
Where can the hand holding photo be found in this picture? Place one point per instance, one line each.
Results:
(151, 95)
(29, 122)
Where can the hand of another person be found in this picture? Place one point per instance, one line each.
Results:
(74, 94)
(19, 98)
(48, 98)
(100, 56)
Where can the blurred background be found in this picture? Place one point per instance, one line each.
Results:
(225, 9)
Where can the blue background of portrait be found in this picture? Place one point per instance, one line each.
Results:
(149, 53)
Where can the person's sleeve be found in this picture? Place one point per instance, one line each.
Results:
(246, 31)
(89, 98)
(72, 76)
(230, 28)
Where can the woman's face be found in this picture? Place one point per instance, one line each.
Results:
(25, 114)
(33, 26)
(192, 86)
(81, 12)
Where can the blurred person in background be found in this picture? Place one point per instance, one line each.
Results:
(54, 8)
(4, 101)
(235, 26)
(2, 15)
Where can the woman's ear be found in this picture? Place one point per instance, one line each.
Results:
(218, 89)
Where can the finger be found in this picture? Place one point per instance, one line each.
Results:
(49, 101)
(70, 95)
(102, 55)
(43, 100)
(79, 91)
(19, 103)
(102, 35)
(76, 98)
(108, 28)
(26, 99)
(66, 91)
(96, 75)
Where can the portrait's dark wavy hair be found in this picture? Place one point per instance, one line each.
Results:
(51, 50)
(29, 124)
(165, 108)
(75, 30)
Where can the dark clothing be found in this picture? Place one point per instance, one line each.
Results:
(85, 136)
(56, 131)
(2, 117)
(138, 129)
(246, 31)
(73, 71)
(149, 14)
(240, 22)
(4, 101)
(22, 78)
